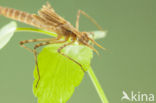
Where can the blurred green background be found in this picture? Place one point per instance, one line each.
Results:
(129, 63)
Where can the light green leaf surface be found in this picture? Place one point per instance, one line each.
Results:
(6, 33)
(59, 75)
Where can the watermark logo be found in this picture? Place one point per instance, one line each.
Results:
(137, 97)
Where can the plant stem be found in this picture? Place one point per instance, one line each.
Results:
(97, 86)
(36, 30)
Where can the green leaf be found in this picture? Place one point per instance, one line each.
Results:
(6, 33)
(59, 75)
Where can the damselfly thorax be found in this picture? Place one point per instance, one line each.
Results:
(49, 20)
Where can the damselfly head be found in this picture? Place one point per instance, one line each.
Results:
(84, 40)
